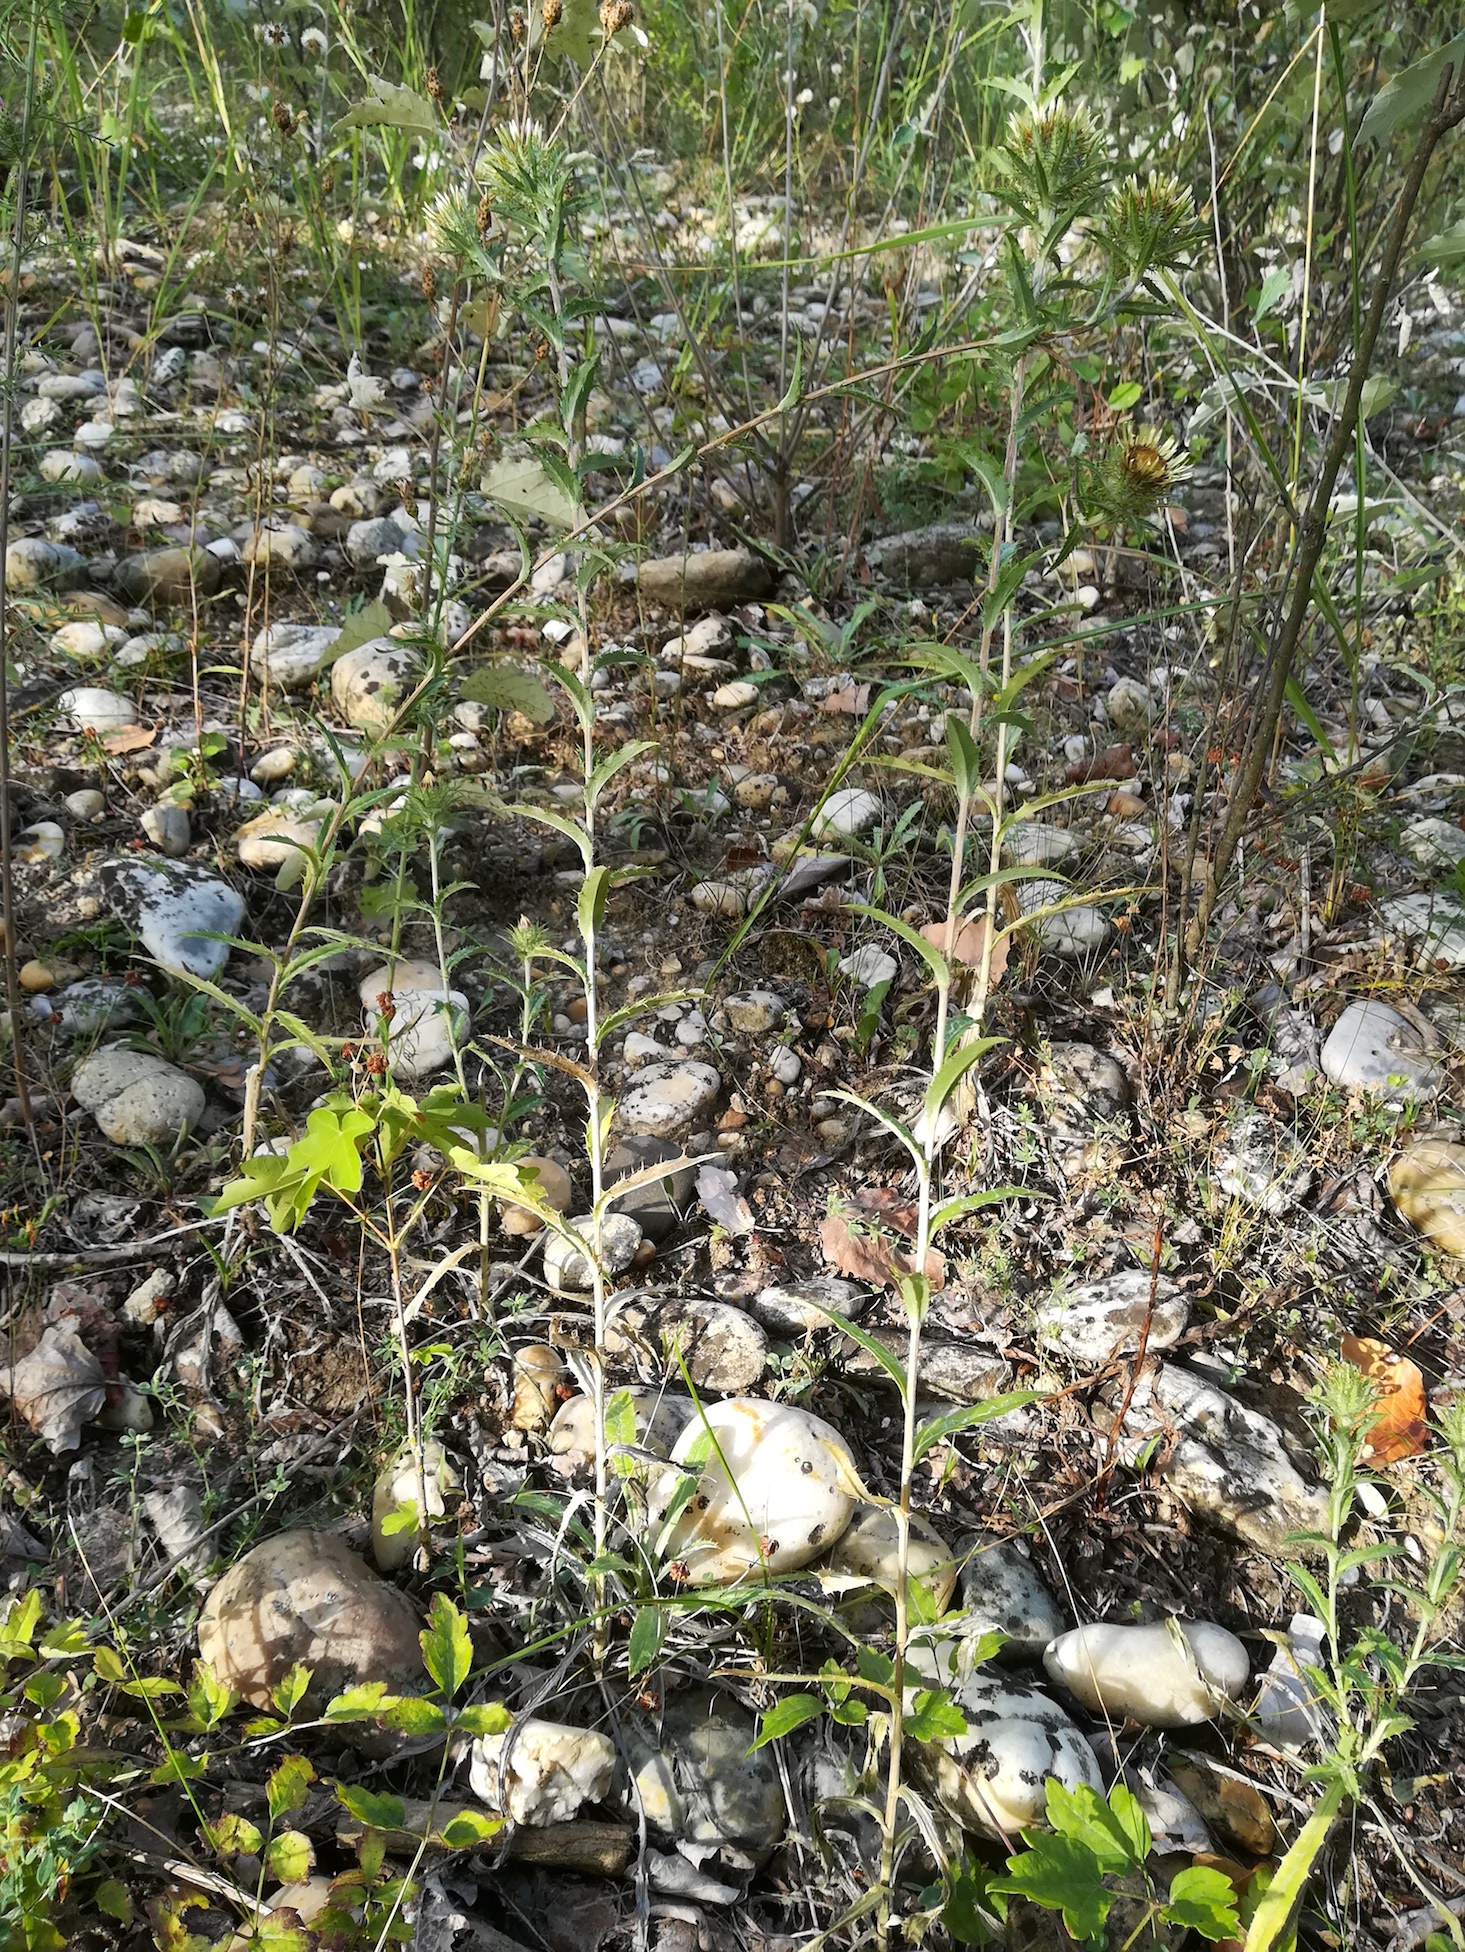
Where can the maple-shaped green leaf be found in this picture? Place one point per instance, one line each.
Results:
(367, 1701)
(447, 1649)
(1114, 1831)
(390, 106)
(287, 1694)
(934, 1716)
(209, 1698)
(289, 1856)
(1204, 1901)
(787, 1715)
(1061, 1875)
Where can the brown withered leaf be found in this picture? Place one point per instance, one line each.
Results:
(1401, 1430)
(1114, 762)
(855, 1240)
(852, 699)
(131, 738)
(971, 937)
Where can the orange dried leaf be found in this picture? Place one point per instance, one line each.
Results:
(132, 738)
(1401, 1430)
(851, 699)
(971, 938)
(858, 1247)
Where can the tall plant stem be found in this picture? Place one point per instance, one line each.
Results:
(1445, 113)
(12, 325)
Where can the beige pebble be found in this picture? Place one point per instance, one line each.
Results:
(553, 1186)
(538, 1372)
(36, 977)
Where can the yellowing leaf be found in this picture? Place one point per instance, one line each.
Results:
(523, 486)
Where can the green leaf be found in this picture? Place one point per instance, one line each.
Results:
(607, 768)
(288, 1694)
(1114, 1831)
(891, 1364)
(114, 1898)
(367, 1701)
(648, 1631)
(1446, 247)
(575, 34)
(934, 1717)
(939, 967)
(288, 1787)
(65, 1638)
(508, 689)
(522, 485)
(231, 1835)
(875, 1667)
(1125, 396)
(955, 1068)
(1269, 1921)
(289, 1856)
(1408, 96)
(1275, 287)
(375, 1808)
(371, 620)
(966, 764)
(1060, 1875)
(390, 106)
(447, 1648)
(1203, 1900)
(961, 1915)
(483, 1718)
(787, 1715)
(571, 829)
(590, 905)
(951, 1422)
(468, 1829)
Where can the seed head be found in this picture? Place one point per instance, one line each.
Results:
(376, 1064)
(284, 120)
(517, 28)
(484, 215)
(1052, 162)
(1150, 225)
(614, 15)
(433, 82)
(550, 13)
(429, 282)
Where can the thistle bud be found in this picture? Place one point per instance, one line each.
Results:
(484, 215)
(284, 120)
(551, 12)
(517, 28)
(614, 15)
(429, 282)
(433, 82)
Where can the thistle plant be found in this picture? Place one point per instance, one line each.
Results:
(1051, 173)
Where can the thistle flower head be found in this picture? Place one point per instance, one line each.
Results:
(450, 224)
(1151, 225)
(1135, 475)
(1052, 160)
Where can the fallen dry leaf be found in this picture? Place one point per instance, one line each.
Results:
(1401, 1430)
(717, 1189)
(58, 1387)
(1114, 762)
(853, 699)
(132, 738)
(855, 1242)
(971, 937)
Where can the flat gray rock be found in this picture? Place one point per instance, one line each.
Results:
(1372, 1047)
(172, 906)
(1002, 1591)
(667, 1098)
(1224, 1461)
(1103, 1319)
(135, 1097)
